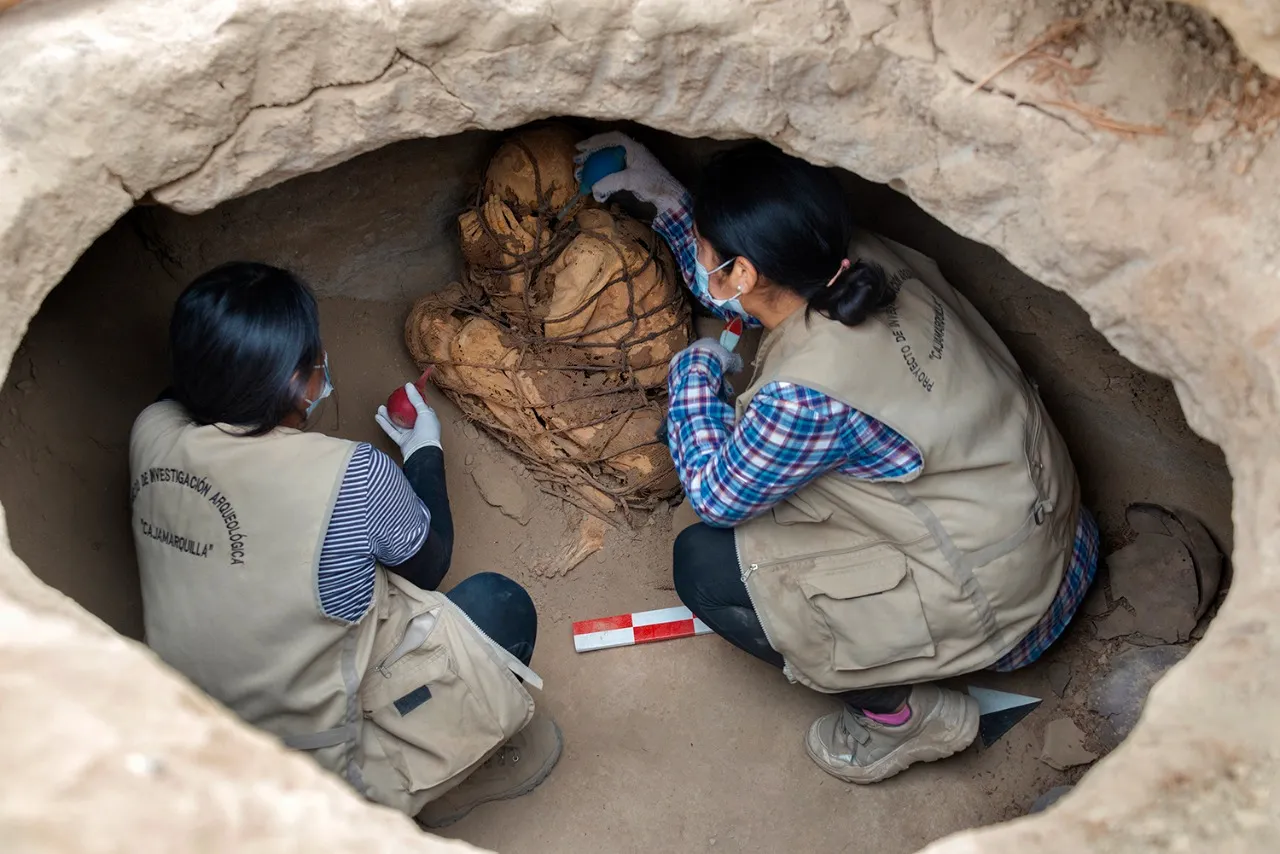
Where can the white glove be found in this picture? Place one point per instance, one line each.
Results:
(729, 361)
(643, 176)
(425, 431)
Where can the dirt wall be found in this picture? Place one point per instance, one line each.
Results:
(383, 226)
(1122, 191)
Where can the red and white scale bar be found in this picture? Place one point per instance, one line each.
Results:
(638, 627)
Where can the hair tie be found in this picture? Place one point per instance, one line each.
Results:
(844, 265)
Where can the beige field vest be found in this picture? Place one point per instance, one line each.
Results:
(862, 584)
(403, 702)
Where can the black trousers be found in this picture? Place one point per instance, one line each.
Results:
(709, 582)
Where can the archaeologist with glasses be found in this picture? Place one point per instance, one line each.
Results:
(886, 502)
(292, 575)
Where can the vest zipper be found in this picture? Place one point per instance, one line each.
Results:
(1035, 469)
(505, 657)
(746, 570)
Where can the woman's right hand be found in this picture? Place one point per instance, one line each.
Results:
(643, 176)
(729, 361)
(425, 431)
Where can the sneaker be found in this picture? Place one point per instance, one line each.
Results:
(857, 749)
(516, 769)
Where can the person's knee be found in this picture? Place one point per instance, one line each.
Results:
(504, 593)
(500, 608)
(687, 565)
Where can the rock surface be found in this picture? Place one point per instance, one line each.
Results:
(1169, 245)
(1118, 623)
(1059, 677)
(1155, 575)
(1255, 25)
(1095, 601)
(501, 488)
(1064, 745)
(1049, 798)
(1206, 557)
(1119, 694)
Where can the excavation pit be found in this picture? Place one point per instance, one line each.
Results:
(373, 234)
(1144, 203)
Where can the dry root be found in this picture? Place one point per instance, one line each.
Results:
(1055, 33)
(1061, 75)
(1099, 119)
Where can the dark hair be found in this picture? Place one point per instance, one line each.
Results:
(792, 221)
(244, 339)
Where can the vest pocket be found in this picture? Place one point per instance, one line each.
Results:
(870, 607)
(428, 721)
(797, 510)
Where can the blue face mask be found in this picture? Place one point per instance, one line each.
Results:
(702, 281)
(324, 392)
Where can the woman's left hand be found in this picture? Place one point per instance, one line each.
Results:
(643, 175)
(425, 431)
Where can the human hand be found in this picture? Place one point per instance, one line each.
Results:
(425, 431)
(643, 176)
(729, 361)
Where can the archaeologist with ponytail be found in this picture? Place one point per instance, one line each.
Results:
(887, 502)
(292, 575)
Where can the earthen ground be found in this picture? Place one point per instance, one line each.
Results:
(687, 744)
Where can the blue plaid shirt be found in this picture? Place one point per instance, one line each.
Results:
(789, 436)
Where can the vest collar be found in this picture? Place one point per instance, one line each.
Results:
(241, 430)
(774, 336)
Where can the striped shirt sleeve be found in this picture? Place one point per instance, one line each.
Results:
(377, 518)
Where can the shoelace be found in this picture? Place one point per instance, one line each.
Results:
(500, 758)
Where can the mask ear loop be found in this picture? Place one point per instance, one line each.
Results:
(720, 267)
(309, 425)
(337, 411)
(333, 394)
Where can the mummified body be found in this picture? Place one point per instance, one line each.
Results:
(557, 340)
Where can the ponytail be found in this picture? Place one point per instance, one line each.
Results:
(854, 293)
